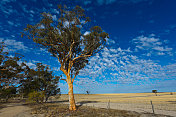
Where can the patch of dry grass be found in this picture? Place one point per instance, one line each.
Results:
(61, 110)
(164, 101)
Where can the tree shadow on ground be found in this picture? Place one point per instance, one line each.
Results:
(9, 104)
(2, 106)
(140, 96)
(172, 102)
(85, 102)
(61, 101)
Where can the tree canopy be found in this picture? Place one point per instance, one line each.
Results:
(40, 79)
(17, 76)
(66, 40)
(10, 69)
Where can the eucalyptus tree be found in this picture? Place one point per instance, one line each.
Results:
(40, 79)
(10, 69)
(66, 40)
(10, 73)
(154, 91)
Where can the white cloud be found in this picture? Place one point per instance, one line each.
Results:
(107, 2)
(170, 71)
(162, 49)
(10, 23)
(66, 23)
(134, 1)
(121, 66)
(31, 65)
(102, 2)
(87, 33)
(124, 66)
(86, 2)
(54, 17)
(13, 45)
(151, 45)
(56, 11)
(110, 41)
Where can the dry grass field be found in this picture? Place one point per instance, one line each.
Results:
(164, 103)
(120, 105)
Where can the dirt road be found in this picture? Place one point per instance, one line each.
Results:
(15, 110)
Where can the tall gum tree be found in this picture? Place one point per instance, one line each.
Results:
(66, 39)
(10, 69)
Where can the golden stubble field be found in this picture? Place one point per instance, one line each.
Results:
(164, 101)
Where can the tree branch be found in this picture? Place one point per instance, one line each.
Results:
(75, 76)
(58, 58)
(69, 54)
(82, 56)
(63, 79)
(3, 69)
(63, 70)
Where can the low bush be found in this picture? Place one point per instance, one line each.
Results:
(36, 97)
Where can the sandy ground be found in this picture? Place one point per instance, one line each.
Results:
(15, 110)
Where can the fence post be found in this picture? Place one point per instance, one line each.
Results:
(108, 105)
(152, 107)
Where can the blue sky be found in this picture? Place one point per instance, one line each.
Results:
(140, 53)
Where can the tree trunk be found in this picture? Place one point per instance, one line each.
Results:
(46, 98)
(7, 97)
(71, 96)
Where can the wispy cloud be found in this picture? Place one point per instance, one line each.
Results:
(107, 2)
(117, 65)
(120, 65)
(101, 2)
(135, 1)
(151, 45)
(13, 45)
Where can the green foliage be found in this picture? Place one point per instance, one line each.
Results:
(65, 38)
(10, 70)
(10, 73)
(7, 92)
(40, 80)
(154, 91)
(88, 92)
(13, 73)
(36, 97)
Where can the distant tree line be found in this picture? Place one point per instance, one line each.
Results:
(18, 79)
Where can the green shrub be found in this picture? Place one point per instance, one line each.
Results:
(36, 97)
(6, 93)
